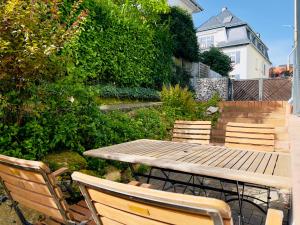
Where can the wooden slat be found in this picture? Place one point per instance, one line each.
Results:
(249, 125)
(38, 207)
(212, 159)
(250, 147)
(249, 162)
(250, 135)
(263, 164)
(192, 131)
(135, 209)
(283, 166)
(81, 209)
(250, 130)
(26, 175)
(106, 221)
(32, 196)
(256, 162)
(27, 185)
(183, 126)
(241, 162)
(250, 141)
(271, 165)
(123, 217)
(191, 141)
(229, 158)
(193, 122)
(191, 136)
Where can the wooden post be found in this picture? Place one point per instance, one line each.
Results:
(261, 89)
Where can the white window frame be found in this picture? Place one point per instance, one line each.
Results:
(207, 42)
(233, 57)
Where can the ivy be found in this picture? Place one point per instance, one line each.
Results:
(185, 44)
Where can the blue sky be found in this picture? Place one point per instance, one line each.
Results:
(266, 17)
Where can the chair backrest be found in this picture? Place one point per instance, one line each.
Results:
(31, 184)
(116, 203)
(250, 136)
(197, 132)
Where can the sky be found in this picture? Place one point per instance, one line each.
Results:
(267, 17)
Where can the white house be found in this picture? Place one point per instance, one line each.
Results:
(238, 40)
(189, 5)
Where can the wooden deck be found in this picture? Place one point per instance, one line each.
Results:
(270, 169)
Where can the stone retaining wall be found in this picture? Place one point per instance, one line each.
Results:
(206, 87)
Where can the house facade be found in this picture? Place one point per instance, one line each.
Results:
(190, 6)
(238, 40)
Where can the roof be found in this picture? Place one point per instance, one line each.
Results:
(234, 43)
(223, 19)
(197, 6)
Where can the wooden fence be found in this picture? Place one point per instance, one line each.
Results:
(261, 90)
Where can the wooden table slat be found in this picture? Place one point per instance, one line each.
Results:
(263, 164)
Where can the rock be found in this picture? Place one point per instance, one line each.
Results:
(212, 110)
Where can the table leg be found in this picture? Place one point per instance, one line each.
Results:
(240, 199)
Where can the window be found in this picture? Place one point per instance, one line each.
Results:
(206, 42)
(235, 57)
(264, 69)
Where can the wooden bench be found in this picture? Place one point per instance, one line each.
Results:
(32, 185)
(197, 132)
(250, 136)
(114, 203)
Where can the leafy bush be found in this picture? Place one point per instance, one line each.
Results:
(217, 60)
(128, 93)
(184, 39)
(123, 44)
(150, 123)
(178, 102)
(181, 76)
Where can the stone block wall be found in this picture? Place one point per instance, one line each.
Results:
(205, 88)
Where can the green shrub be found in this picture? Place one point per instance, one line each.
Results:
(123, 45)
(184, 37)
(178, 102)
(203, 106)
(138, 93)
(150, 124)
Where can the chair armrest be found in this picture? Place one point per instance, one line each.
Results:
(60, 171)
(274, 217)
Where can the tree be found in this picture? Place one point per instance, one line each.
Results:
(217, 60)
(185, 44)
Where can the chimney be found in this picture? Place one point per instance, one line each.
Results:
(224, 9)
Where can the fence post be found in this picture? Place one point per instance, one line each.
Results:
(260, 89)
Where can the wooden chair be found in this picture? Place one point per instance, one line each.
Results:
(250, 136)
(32, 185)
(197, 132)
(114, 203)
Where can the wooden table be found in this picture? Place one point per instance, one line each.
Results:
(253, 167)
